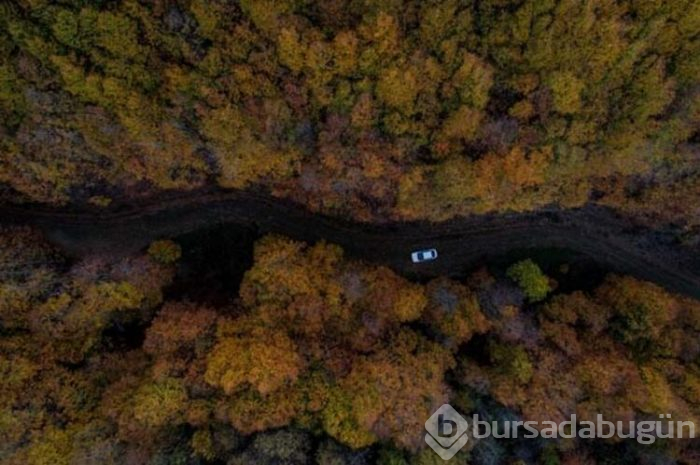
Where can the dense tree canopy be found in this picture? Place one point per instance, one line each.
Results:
(370, 109)
(322, 359)
(406, 109)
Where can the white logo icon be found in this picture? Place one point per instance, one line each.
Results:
(446, 432)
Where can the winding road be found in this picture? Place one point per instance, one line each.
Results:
(594, 232)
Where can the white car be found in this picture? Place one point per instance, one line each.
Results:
(423, 255)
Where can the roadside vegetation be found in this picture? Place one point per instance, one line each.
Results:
(373, 109)
(322, 359)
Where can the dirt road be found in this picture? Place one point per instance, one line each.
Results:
(595, 232)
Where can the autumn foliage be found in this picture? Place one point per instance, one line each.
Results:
(319, 359)
(373, 109)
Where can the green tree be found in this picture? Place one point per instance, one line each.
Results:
(530, 278)
(165, 251)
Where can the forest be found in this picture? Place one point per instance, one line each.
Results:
(371, 109)
(274, 351)
(318, 358)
